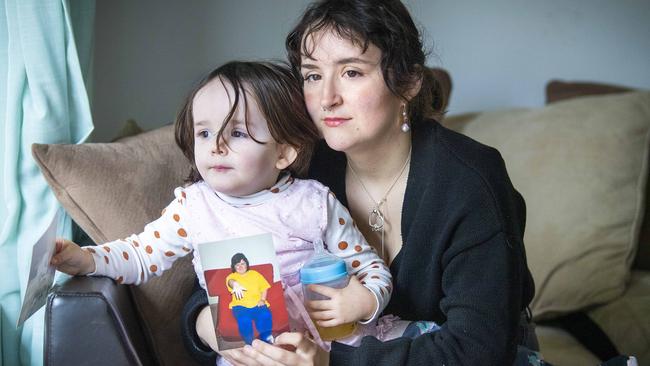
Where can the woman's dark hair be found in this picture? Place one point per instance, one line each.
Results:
(238, 257)
(386, 24)
(278, 95)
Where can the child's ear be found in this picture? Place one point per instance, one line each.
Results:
(287, 156)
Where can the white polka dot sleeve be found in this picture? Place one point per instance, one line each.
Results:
(344, 240)
(139, 257)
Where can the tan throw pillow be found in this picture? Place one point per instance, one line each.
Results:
(581, 166)
(558, 90)
(112, 190)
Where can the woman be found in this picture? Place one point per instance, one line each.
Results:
(248, 305)
(439, 206)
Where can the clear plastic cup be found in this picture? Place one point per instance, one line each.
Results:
(328, 270)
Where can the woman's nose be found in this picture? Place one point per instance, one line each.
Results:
(330, 96)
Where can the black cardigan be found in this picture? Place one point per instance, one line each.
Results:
(462, 263)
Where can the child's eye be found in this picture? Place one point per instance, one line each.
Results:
(352, 73)
(204, 134)
(312, 77)
(238, 134)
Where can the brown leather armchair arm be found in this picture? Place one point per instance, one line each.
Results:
(93, 321)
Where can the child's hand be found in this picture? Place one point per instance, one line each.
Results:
(345, 305)
(71, 259)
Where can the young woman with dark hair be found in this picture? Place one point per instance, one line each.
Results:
(437, 205)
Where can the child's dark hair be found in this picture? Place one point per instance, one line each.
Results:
(279, 97)
(386, 24)
(238, 257)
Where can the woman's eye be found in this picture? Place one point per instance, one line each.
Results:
(238, 134)
(352, 73)
(312, 77)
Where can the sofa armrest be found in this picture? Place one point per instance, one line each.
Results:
(92, 321)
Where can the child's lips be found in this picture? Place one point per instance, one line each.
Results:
(221, 168)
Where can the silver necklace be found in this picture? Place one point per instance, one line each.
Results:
(375, 216)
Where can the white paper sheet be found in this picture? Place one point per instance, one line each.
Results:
(41, 273)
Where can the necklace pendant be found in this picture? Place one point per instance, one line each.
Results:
(376, 220)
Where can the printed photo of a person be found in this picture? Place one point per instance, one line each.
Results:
(249, 289)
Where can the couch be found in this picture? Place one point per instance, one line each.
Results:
(581, 163)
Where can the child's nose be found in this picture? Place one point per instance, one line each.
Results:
(220, 147)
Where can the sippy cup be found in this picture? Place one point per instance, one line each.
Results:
(328, 270)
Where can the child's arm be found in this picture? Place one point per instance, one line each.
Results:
(139, 257)
(370, 287)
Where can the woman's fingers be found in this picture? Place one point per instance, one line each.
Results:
(268, 355)
(237, 357)
(304, 346)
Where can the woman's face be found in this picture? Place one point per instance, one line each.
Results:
(241, 267)
(346, 94)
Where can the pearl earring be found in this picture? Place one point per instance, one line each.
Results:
(405, 121)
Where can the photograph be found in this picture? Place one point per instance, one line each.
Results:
(244, 290)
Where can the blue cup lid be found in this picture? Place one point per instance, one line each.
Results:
(323, 269)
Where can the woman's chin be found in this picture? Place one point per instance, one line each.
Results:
(338, 143)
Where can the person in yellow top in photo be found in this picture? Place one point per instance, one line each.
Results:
(249, 289)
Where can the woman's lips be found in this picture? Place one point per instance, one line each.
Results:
(334, 121)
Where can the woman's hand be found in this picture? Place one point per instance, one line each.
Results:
(237, 289)
(71, 259)
(294, 349)
(349, 304)
(261, 303)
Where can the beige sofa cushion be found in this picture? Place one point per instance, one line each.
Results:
(626, 320)
(558, 90)
(581, 166)
(112, 190)
(559, 348)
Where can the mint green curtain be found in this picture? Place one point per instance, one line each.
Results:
(44, 62)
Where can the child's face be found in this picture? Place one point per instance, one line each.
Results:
(244, 166)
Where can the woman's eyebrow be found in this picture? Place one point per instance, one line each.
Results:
(308, 66)
(354, 60)
(342, 61)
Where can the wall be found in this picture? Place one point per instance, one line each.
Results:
(500, 53)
